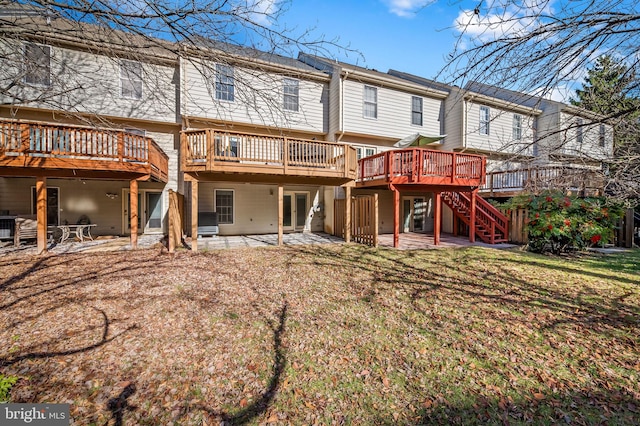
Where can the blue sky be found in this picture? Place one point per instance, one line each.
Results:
(396, 34)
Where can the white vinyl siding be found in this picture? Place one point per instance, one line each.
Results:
(225, 83)
(291, 94)
(416, 111)
(37, 64)
(579, 131)
(502, 136)
(258, 99)
(131, 80)
(517, 127)
(485, 119)
(224, 202)
(370, 102)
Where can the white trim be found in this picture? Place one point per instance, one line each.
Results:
(31, 201)
(233, 205)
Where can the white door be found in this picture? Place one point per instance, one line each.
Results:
(153, 212)
(295, 206)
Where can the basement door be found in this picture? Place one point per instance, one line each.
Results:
(149, 212)
(295, 206)
(414, 211)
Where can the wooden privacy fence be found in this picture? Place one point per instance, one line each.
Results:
(518, 232)
(176, 219)
(626, 228)
(364, 219)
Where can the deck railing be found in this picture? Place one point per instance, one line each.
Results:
(212, 150)
(418, 163)
(537, 178)
(19, 139)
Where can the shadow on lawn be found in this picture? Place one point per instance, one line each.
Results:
(9, 360)
(462, 274)
(580, 405)
(262, 403)
(119, 404)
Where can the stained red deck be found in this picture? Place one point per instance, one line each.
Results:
(419, 166)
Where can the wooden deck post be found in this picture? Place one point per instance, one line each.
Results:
(437, 217)
(133, 212)
(280, 214)
(41, 213)
(375, 220)
(396, 216)
(347, 214)
(194, 216)
(472, 217)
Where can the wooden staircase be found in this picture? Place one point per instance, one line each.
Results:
(491, 224)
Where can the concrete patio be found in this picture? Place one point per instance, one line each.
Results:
(408, 241)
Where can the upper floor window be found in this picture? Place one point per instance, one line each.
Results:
(517, 127)
(131, 79)
(416, 110)
(291, 90)
(225, 83)
(37, 64)
(484, 120)
(579, 133)
(370, 107)
(602, 135)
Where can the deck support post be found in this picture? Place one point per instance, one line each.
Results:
(472, 217)
(347, 214)
(280, 213)
(41, 213)
(133, 212)
(396, 216)
(194, 216)
(437, 217)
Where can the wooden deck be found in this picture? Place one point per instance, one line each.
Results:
(56, 150)
(419, 166)
(534, 179)
(231, 156)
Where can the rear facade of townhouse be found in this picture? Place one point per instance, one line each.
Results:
(256, 143)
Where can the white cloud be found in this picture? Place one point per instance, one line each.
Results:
(406, 8)
(260, 11)
(490, 27)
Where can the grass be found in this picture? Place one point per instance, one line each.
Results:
(326, 335)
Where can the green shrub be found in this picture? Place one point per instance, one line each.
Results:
(6, 383)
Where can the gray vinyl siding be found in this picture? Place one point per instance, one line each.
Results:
(454, 122)
(85, 82)
(258, 99)
(394, 113)
(590, 146)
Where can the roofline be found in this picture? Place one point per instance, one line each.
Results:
(473, 96)
(392, 83)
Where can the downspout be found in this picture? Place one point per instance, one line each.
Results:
(342, 80)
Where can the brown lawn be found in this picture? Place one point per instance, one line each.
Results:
(325, 335)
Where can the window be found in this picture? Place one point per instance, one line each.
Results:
(579, 134)
(291, 91)
(131, 79)
(224, 206)
(370, 102)
(224, 83)
(517, 127)
(368, 152)
(416, 110)
(484, 120)
(602, 136)
(37, 64)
